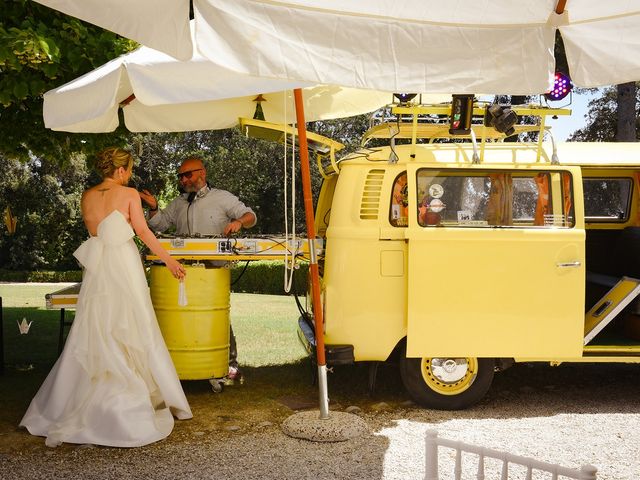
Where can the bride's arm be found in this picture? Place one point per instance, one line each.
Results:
(141, 228)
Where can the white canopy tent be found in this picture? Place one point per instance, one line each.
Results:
(461, 46)
(172, 95)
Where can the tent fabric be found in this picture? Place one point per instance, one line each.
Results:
(604, 52)
(173, 96)
(405, 46)
(455, 46)
(463, 46)
(159, 24)
(439, 46)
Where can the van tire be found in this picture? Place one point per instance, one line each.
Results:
(470, 381)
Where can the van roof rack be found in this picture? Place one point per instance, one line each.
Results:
(431, 122)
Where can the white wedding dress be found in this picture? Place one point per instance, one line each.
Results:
(115, 383)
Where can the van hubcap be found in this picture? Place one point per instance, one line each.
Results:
(449, 376)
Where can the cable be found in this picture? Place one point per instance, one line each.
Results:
(393, 158)
(554, 155)
(476, 157)
(241, 273)
(325, 219)
(188, 226)
(303, 313)
(289, 264)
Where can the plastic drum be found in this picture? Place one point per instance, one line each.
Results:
(197, 334)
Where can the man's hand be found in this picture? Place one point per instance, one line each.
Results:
(232, 227)
(149, 199)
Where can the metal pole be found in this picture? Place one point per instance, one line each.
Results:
(318, 319)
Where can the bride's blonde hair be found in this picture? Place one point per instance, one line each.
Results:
(111, 159)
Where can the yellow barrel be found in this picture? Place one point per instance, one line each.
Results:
(197, 335)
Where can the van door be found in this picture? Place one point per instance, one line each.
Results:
(496, 262)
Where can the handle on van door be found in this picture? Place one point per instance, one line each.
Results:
(568, 264)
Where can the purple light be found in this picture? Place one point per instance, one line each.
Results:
(561, 87)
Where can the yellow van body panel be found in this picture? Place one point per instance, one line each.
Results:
(364, 277)
(470, 292)
(475, 292)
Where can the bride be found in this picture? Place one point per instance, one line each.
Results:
(114, 383)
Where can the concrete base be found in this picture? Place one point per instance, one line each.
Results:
(340, 426)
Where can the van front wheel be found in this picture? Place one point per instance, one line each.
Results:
(446, 383)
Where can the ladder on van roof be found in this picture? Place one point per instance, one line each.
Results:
(608, 308)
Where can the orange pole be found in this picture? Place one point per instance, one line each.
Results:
(305, 172)
(560, 6)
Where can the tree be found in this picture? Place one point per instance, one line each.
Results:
(348, 131)
(250, 168)
(45, 198)
(41, 49)
(627, 117)
(602, 118)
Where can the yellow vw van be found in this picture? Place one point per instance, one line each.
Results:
(466, 253)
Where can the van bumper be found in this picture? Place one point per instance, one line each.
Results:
(334, 354)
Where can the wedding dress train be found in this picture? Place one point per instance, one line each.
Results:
(114, 383)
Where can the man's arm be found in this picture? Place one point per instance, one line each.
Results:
(159, 220)
(239, 214)
(147, 197)
(247, 220)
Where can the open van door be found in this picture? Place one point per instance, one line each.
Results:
(496, 262)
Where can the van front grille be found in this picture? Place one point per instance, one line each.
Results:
(370, 203)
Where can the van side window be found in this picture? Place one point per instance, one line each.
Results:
(398, 212)
(607, 199)
(494, 198)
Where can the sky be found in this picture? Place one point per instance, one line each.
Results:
(567, 124)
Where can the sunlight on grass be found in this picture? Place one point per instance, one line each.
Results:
(265, 326)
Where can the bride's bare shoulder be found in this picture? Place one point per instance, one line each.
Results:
(95, 189)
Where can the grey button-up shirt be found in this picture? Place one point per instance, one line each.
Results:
(210, 211)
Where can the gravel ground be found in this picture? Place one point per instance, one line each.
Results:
(570, 416)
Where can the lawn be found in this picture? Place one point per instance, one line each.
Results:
(265, 327)
(279, 377)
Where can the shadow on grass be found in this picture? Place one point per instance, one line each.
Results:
(38, 347)
(273, 392)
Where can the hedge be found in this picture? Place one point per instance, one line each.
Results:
(264, 277)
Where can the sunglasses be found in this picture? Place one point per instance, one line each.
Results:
(188, 173)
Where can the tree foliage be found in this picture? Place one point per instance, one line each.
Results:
(41, 49)
(45, 198)
(602, 118)
(250, 168)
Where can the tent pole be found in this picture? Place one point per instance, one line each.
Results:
(305, 172)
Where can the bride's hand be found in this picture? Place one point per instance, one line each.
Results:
(176, 269)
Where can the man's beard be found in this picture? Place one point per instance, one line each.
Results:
(190, 188)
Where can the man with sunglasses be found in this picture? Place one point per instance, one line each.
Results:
(201, 210)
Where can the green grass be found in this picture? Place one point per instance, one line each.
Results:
(265, 328)
(39, 346)
(269, 353)
(264, 325)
